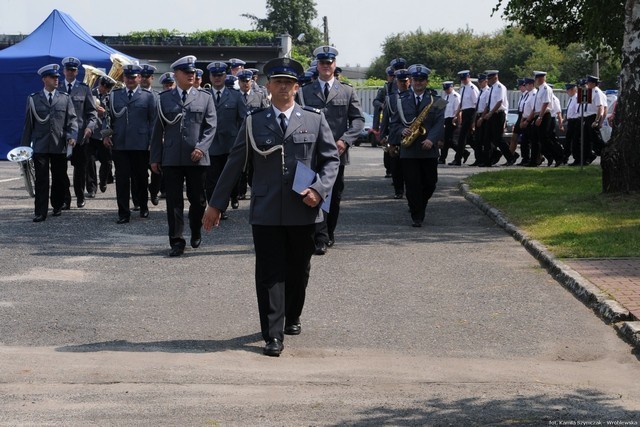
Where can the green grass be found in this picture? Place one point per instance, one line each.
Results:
(564, 208)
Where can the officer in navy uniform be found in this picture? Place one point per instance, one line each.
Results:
(254, 83)
(469, 94)
(180, 143)
(198, 81)
(420, 158)
(452, 117)
(87, 116)
(132, 111)
(379, 104)
(155, 185)
(494, 117)
(281, 138)
(96, 149)
(167, 80)
(341, 107)
(50, 124)
(230, 112)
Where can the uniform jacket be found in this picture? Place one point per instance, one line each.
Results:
(52, 135)
(434, 123)
(132, 130)
(85, 107)
(255, 100)
(341, 109)
(273, 202)
(172, 144)
(230, 112)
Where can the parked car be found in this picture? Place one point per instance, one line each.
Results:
(510, 122)
(368, 135)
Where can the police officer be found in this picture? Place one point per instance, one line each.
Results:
(198, 81)
(230, 112)
(452, 117)
(480, 131)
(281, 138)
(132, 110)
(235, 66)
(379, 105)
(87, 116)
(517, 130)
(341, 108)
(494, 117)
(96, 149)
(167, 80)
(468, 98)
(572, 136)
(50, 124)
(525, 123)
(594, 115)
(541, 119)
(419, 154)
(180, 144)
(252, 98)
(155, 185)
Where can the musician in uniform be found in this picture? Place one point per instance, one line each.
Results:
(341, 107)
(379, 105)
(96, 149)
(180, 143)
(198, 81)
(468, 98)
(452, 117)
(50, 124)
(132, 110)
(87, 116)
(281, 139)
(230, 112)
(418, 108)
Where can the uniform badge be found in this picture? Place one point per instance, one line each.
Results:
(268, 115)
(268, 142)
(325, 49)
(298, 114)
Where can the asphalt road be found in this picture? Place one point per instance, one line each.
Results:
(450, 324)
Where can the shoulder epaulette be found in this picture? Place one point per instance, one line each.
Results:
(254, 111)
(35, 93)
(203, 90)
(346, 84)
(145, 89)
(315, 110)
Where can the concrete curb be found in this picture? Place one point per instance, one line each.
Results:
(608, 309)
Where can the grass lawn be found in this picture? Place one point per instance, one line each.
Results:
(565, 210)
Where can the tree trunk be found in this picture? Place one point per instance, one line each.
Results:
(621, 157)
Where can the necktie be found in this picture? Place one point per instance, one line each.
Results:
(418, 99)
(326, 91)
(283, 122)
(245, 97)
(447, 98)
(50, 98)
(69, 88)
(462, 95)
(568, 104)
(131, 94)
(184, 95)
(490, 93)
(217, 97)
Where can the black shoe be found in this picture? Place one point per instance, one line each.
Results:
(524, 162)
(293, 328)
(103, 188)
(398, 196)
(57, 212)
(81, 203)
(224, 215)
(144, 213)
(65, 206)
(176, 251)
(455, 163)
(242, 196)
(195, 242)
(273, 348)
(155, 200)
(91, 194)
(321, 248)
(465, 156)
(110, 180)
(387, 175)
(511, 162)
(476, 163)
(441, 161)
(123, 220)
(417, 224)
(136, 208)
(532, 165)
(234, 204)
(331, 242)
(39, 218)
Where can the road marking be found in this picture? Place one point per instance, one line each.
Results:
(7, 180)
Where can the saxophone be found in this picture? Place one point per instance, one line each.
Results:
(416, 127)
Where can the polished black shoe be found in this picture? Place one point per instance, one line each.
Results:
(321, 248)
(476, 163)
(195, 242)
(455, 163)
(465, 156)
(39, 218)
(155, 200)
(398, 196)
(65, 206)
(234, 204)
(242, 196)
(224, 215)
(176, 251)
(136, 208)
(57, 212)
(144, 213)
(91, 194)
(417, 224)
(331, 242)
(103, 188)
(273, 348)
(123, 220)
(81, 203)
(293, 329)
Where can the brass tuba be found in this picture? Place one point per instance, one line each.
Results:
(116, 72)
(91, 75)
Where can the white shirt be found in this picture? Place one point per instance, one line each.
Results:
(497, 93)
(573, 107)
(330, 83)
(598, 98)
(544, 96)
(523, 98)
(468, 96)
(287, 114)
(46, 93)
(555, 106)
(453, 103)
(482, 99)
(527, 108)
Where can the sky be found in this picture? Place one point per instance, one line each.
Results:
(356, 28)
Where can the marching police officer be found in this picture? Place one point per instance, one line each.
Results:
(167, 80)
(468, 99)
(252, 98)
(525, 124)
(494, 117)
(155, 185)
(594, 115)
(50, 124)
(283, 140)
(541, 119)
(480, 131)
(452, 117)
(341, 107)
(572, 136)
(180, 144)
(96, 149)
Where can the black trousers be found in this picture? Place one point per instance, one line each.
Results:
(420, 178)
(174, 177)
(594, 138)
(325, 229)
(79, 162)
(283, 263)
(495, 130)
(97, 151)
(479, 136)
(572, 138)
(59, 178)
(130, 165)
(528, 135)
(465, 135)
(396, 174)
(543, 142)
(449, 129)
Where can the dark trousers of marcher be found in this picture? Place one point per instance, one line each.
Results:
(396, 175)
(154, 184)
(479, 136)
(449, 129)
(386, 161)
(59, 178)
(175, 177)
(97, 151)
(325, 229)
(596, 144)
(465, 136)
(283, 263)
(495, 130)
(213, 175)
(79, 163)
(130, 165)
(527, 135)
(420, 178)
(572, 138)
(543, 144)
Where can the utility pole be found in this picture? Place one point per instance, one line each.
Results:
(325, 23)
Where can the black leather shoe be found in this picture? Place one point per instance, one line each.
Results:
(224, 215)
(455, 163)
(321, 248)
(136, 208)
(65, 206)
(195, 242)
(57, 212)
(123, 220)
(234, 204)
(331, 242)
(39, 218)
(293, 329)
(417, 224)
(103, 188)
(155, 200)
(144, 213)
(273, 348)
(81, 203)
(91, 194)
(176, 251)
(242, 196)
(441, 161)
(398, 196)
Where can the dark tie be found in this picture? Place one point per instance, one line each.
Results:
(568, 104)
(283, 123)
(490, 93)
(131, 94)
(69, 88)
(50, 98)
(217, 97)
(184, 95)
(462, 95)
(245, 98)
(326, 91)
(418, 99)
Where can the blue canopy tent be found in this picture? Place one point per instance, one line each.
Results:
(57, 37)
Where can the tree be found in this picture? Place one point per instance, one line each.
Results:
(294, 17)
